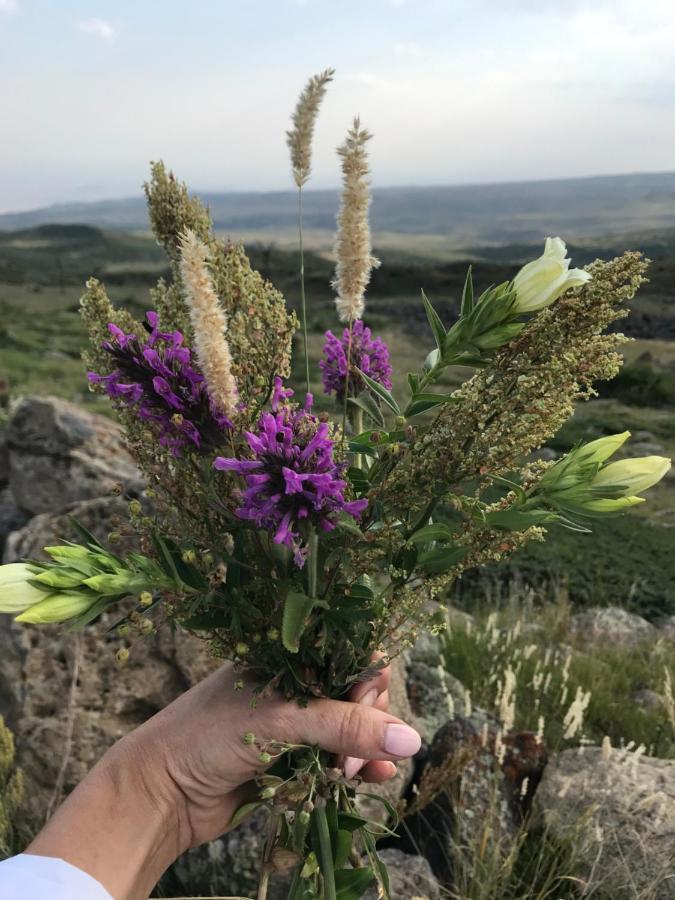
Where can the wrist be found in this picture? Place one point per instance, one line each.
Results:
(123, 824)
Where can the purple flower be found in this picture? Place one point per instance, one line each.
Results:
(367, 354)
(292, 481)
(158, 380)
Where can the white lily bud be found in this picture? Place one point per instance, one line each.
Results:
(542, 281)
(16, 593)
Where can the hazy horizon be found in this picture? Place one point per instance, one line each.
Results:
(456, 92)
(196, 190)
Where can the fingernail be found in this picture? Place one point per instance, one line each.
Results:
(353, 764)
(401, 740)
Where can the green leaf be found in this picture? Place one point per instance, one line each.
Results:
(84, 533)
(360, 591)
(497, 337)
(381, 392)
(351, 884)
(297, 608)
(423, 402)
(519, 520)
(369, 406)
(358, 478)
(350, 822)
(342, 845)
(346, 523)
(165, 558)
(414, 382)
(244, 811)
(435, 321)
(436, 531)
(441, 559)
(467, 295)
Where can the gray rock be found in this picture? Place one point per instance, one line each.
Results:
(4, 459)
(666, 628)
(433, 693)
(410, 877)
(648, 700)
(620, 815)
(60, 454)
(642, 435)
(100, 516)
(11, 517)
(611, 623)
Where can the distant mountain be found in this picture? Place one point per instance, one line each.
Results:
(466, 215)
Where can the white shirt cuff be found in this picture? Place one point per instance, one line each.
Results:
(47, 878)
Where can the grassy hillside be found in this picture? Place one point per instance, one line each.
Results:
(629, 561)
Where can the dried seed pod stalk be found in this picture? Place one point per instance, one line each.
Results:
(355, 261)
(209, 324)
(299, 138)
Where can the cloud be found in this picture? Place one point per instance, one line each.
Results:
(8, 6)
(97, 28)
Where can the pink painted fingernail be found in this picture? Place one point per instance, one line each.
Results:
(401, 740)
(353, 764)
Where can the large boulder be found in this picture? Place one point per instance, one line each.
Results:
(610, 624)
(100, 516)
(60, 454)
(410, 877)
(617, 809)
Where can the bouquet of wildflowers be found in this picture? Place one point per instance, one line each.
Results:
(311, 549)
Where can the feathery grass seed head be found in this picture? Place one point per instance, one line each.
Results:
(299, 138)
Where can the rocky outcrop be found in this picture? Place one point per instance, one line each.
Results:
(617, 809)
(410, 877)
(610, 624)
(58, 460)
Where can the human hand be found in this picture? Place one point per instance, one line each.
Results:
(176, 781)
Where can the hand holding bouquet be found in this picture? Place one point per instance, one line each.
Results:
(311, 549)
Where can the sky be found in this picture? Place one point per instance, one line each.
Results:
(455, 91)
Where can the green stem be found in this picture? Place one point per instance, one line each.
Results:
(325, 853)
(346, 398)
(357, 428)
(312, 563)
(303, 300)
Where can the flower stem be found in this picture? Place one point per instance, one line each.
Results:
(303, 299)
(312, 563)
(325, 853)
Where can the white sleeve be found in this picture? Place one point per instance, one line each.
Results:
(28, 877)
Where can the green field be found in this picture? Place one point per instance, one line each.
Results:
(629, 562)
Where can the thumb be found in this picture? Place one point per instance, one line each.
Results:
(350, 729)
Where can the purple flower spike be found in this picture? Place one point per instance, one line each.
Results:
(367, 354)
(292, 481)
(156, 378)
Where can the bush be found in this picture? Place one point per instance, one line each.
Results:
(639, 384)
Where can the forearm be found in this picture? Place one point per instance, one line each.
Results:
(117, 825)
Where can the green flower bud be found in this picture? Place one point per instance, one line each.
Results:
(145, 598)
(241, 649)
(265, 757)
(114, 537)
(249, 738)
(267, 793)
(273, 634)
(632, 476)
(58, 607)
(304, 817)
(188, 556)
(122, 656)
(135, 508)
